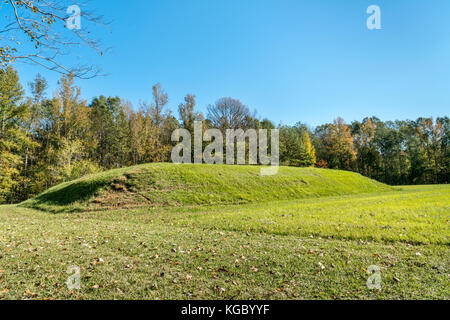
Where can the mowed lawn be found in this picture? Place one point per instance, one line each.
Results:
(316, 248)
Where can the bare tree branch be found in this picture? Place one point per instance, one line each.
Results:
(36, 32)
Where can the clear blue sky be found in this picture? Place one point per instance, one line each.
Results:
(291, 60)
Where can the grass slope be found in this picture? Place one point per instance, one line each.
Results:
(416, 214)
(298, 249)
(191, 185)
(224, 232)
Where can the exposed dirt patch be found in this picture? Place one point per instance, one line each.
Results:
(113, 199)
(120, 184)
(119, 187)
(120, 196)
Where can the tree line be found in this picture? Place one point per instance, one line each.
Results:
(48, 140)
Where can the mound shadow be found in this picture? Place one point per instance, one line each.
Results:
(72, 193)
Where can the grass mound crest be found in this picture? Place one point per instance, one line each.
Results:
(166, 184)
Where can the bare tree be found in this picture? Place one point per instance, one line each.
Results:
(229, 113)
(41, 32)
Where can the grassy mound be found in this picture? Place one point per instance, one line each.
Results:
(166, 184)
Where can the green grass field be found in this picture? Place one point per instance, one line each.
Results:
(223, 232)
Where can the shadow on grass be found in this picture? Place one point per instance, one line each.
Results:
(70, 194)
